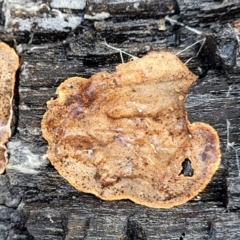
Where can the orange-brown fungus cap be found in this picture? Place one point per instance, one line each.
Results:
(8, 66)
(126, 134)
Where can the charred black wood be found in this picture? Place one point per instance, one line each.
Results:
(35, 201)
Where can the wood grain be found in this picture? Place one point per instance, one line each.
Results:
(36, 203)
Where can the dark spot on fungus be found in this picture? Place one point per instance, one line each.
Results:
(115, 82)
(134, 140)
(204, 156)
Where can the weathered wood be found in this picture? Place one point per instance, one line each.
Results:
(122, 9)
(36, 203)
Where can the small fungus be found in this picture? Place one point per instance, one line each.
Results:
(8, 67)
(126, 135)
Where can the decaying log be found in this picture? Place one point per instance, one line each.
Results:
(60, 39)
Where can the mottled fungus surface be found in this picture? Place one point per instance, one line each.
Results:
(9, 63)
(126, 135)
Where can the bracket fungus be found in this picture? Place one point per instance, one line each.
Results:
(126, 135)
(9, 63)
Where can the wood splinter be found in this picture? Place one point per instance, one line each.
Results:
(9, 63)
(126, 135)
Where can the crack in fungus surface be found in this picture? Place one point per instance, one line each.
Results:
(126, 135)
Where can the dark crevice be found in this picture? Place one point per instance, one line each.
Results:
(211, 231)
(15, 104)
(182, 236)
(64, 224)
(187, 170)
(86, 228)
(134, 231)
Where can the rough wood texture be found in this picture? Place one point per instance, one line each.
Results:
(35, 202)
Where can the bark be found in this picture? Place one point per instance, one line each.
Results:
(57, 41)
